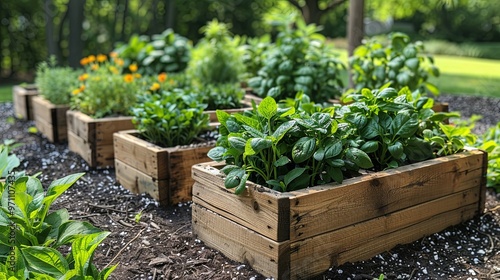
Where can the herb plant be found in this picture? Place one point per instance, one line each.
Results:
(284, 148)
(299, 61)
(222, 96)
(490, 142)
(33, 235)
(166, 52)
(105, 90)
(170, 118)
(217, 58)
(401, 63)
(55, 83)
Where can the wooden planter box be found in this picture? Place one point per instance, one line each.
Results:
(50, 119)
(164, 173)
(213, 115)
(300, 234)
(22, 98)
(92, 138)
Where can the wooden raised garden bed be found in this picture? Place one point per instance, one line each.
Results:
(92, 138)
(213, 115)
(164, 173)
(22, 98)
(300, 234)
(50, 119)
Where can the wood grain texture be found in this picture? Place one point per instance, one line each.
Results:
(22, 99)
(266, 256)
(50, 119)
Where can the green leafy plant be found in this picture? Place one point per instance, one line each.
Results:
(284, 148)
(217, 58)
(301, 144)
(33, 235)
(399, 127)
(56, 83)
(299, 61)
(222, 96)
(253, 56)
(490, 142)
(8, 161)
(105, 90)
(401, 63)
(170, 118)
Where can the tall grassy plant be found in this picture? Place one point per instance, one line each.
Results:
(55, 83)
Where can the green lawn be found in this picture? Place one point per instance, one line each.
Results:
(6, 92)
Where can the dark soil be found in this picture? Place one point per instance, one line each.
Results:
(162, 246)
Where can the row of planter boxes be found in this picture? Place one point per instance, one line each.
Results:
(294, 235)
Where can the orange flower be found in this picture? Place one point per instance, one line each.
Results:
(128, 78)
(83, 77)
(94, 67)
(82, 88)
(155, 87)
(162, 77)
(84, 61)
(101, 58)
(119, 62)
(133, 68)
(113, 54)
(91, 58)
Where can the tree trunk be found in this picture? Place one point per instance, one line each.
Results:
(124, 21)
(75, 10)
(355, 28)
(49, 29)
(170, 14)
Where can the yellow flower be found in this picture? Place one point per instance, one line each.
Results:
(91, 58)
(75, 91)
(133, 68)
(162, 77)
(94, 67)
(155, 87)
(137, 75)
(101, 58)
(119, 62)
(83, 77)
(128, 78)
(84, 61)
(82, 88)
(113, 54)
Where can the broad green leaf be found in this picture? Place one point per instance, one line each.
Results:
(335, 173)
(247, 120)
(432, 88)
(359, 158)
(83, 249)
(282, 130)
(371, 130)
(70, 230)
(242, 186)
(59, 186)
(333, 147)
(335, 162)
(293, 174)
(370, 146)
(217, 153)
(418, 150)
(396, 150)
(238, 143)
(232, 126)
(388, 93)
(254, 132)
(105, 273)
(282, 161)
(412, 63)
(45, 260)
(303, 149)
(267, 107)
(319, 154)
(259, 144)
(55, 220)
(404, 124)
(222, 116)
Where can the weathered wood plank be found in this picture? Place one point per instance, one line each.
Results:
(258, 208)
(140, 154)
(381, 193)
(266, 256)
(78, 145)
(350, 243)
(107, 126)
(104, 156)
(22, 98)
(81, 125)
(50, 119)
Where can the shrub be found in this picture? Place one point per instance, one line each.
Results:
(105, 90)
(217, 58)
(401, 63)
(166, 52)
(299, 61)
(55, 83)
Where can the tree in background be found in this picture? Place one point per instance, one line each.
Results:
(314, 11)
